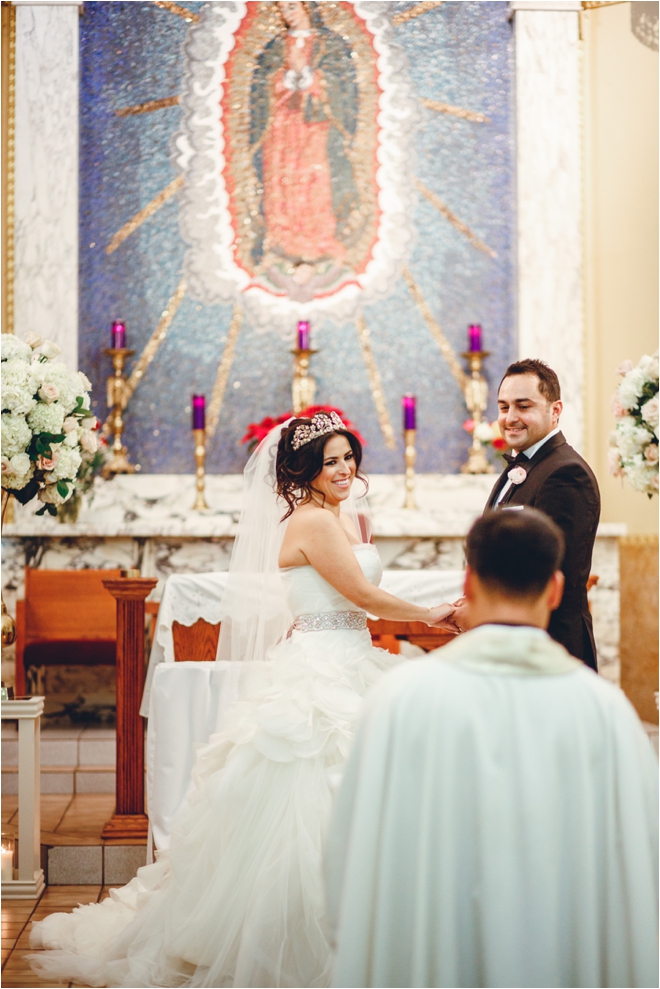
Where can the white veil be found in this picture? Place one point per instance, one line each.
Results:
(255, 614)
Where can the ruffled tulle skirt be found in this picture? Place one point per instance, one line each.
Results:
(238, 898)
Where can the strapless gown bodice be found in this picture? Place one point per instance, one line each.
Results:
(308, 593)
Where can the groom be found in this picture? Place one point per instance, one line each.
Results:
(548, 474)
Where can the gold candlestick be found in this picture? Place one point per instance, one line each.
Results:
(303, 388)
(116, 393)
(410, 455)
(476, 399)
(200, 460)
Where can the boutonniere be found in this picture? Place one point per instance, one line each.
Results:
(517, 475)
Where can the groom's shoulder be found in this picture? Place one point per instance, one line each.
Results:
(565, 461)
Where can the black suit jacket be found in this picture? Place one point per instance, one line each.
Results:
(561, 484)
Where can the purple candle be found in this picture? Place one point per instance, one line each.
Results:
(303, 335)
(118, 334)
(474, 337)
(198, 412)
(409, 412)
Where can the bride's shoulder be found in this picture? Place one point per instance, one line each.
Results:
(311, 518)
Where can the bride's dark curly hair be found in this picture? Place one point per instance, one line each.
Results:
(296, 470)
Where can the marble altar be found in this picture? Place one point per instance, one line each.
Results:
(146, 521)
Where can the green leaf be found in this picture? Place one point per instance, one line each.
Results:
(62, 488)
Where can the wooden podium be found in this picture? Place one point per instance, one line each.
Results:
(129, 820)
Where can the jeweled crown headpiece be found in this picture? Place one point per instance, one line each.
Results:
(319, 425)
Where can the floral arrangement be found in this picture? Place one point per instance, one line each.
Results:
(47, 428)
(488, 433)
(256, 431)
(633, 452)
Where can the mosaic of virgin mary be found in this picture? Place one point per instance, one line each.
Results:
(303, 120)
(288, 178)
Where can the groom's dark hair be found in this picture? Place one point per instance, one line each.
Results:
(515, 552)
(548, 380)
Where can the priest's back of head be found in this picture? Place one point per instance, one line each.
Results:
(497, 822)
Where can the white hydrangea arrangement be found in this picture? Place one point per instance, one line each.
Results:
(47, 426)
(633, 452)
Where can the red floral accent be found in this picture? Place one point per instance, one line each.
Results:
(256, 431)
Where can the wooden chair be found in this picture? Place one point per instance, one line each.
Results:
(67, 618)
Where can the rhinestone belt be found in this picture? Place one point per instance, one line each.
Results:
(329, 621)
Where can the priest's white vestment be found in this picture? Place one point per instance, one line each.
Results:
(496, 825)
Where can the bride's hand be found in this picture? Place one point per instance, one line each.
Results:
(441, 617)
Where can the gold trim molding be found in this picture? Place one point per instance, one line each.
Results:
(8, 151)
(375, 383)
(222, 377)
(136, 222)
(443, 343)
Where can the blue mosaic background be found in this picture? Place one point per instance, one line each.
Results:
(459, 53)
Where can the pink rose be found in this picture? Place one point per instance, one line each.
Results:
(88, 441)
(625, 367)
(618, 410)
(46, 463)
(6, 466)
(49, 392)
(614, 462)
(517, 475)
(70, 423)
(651, 453)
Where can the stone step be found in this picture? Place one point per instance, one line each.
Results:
(89, 865)
(73, 760)
(65, 779)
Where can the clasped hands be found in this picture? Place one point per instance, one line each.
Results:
(450, 617)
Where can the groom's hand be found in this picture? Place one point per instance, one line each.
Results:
(461, 615)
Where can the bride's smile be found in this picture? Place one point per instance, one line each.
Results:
(338, 472)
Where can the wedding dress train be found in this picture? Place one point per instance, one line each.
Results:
(238, 899)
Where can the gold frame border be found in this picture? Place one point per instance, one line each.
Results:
(8, 163)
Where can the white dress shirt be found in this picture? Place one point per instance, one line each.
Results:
(529, 453)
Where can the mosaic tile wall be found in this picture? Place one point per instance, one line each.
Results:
(458, 54)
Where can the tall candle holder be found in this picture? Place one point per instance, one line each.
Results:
(303, 388)
(410, 455)
(476, 399)
(116, 398)
(200, 460)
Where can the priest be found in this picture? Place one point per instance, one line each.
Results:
(497, 822)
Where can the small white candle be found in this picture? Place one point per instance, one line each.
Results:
(7, 865)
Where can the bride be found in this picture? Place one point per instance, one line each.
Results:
(238, 898)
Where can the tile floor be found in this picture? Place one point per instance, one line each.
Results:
(17, 917)
(66, 818)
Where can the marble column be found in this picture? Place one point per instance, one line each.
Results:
(46, 174)
(549, 181)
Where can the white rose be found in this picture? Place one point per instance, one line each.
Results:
(49, 392)
(20, 463)
(33, 340)
(16, 434)
(84, 381)
(483, 432)
(46, 418)
(14, 349)
(89, 422)
(50, 349)
(88, 441)
(70, 424)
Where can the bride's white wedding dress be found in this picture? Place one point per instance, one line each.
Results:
(238, 899)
